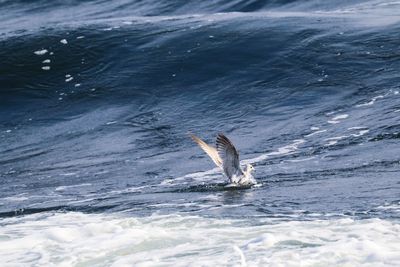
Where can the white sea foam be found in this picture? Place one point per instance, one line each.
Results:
(373, 100)
(361, 133)
(390, 207)
(285, 150)
(337, 118)
(301, 160)
(333, 140)
(41, 52)
(77, 239)
(204, 177)
(68, 173)
(62, 188)
(15, 198)
(357, 128)
(64, 41)
(314, 133)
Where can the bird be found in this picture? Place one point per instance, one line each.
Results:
(226, 157)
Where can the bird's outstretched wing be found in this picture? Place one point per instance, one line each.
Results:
(229, 156)
(211, 151)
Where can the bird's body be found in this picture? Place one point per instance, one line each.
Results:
(225, 156)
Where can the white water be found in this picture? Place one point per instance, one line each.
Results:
(77, 239)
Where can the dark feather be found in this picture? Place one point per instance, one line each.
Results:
(229, 156)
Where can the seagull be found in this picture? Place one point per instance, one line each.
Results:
(225, 156)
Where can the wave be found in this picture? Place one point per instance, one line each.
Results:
(77, 238)
(307, 90)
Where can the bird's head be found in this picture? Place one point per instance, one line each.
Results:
(250, 168)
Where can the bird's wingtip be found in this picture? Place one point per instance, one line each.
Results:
(194, 137)
(221, 134)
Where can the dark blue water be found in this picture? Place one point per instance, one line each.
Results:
(99, 120)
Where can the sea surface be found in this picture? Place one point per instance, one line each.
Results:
(97, 100)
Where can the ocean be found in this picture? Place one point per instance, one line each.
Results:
(98, 98)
